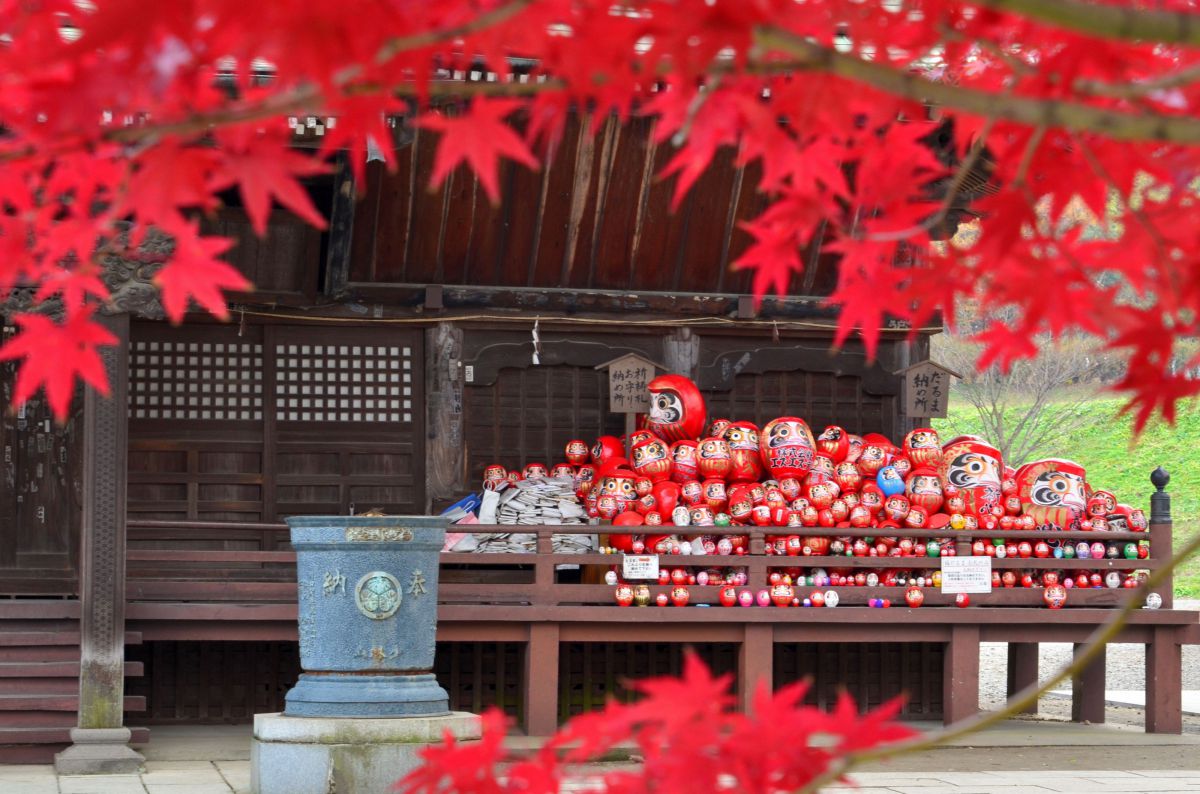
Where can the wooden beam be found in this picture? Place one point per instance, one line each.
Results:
(1164, 682)
(101, 741)
(756, 658)
(445, 453)
(541, 680)
(1087, 689)
(960, 688)
(341, 229)
(1022, 669)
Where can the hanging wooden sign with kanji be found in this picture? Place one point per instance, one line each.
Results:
(927, 389)
(628, 377)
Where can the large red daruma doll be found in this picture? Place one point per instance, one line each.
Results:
(744, 452)
(787, 446)
(974, 468)
(677, 408)
(1053, 492)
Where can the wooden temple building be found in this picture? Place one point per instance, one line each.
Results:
(144, 567)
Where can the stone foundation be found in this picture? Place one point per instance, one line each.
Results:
(329, 755)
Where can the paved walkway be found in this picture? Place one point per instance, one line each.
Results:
(1051, 757)
(233, 777)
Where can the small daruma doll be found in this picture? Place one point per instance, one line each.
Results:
(620, 484)
(846, 475)
(922, 447)
(585, 475)
(896, 507)
(714, 458)
(684, 460)
(786, 446)
(534, 471)
(677, 408)
(974, 468)
(494, 475)
(652, 459)
(605, 448)
(873, 458)
(835, 441)
(1052, 492)
(563, 470)
(924, 488)
(577, 452)
(744, 453)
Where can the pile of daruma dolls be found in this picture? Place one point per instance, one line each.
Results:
(684, 474)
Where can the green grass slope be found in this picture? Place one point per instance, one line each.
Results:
(1104, 446)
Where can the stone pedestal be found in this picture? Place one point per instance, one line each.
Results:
(98, 751)
(328, 755)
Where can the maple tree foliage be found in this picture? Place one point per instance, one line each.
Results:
(689, 734)
(120, 113)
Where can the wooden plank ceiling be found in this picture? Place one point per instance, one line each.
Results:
(595, 216)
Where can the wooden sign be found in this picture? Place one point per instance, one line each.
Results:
(926, 389)
(628, 377)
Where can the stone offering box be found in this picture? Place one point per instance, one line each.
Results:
(368, 616)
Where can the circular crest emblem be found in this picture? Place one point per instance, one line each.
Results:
(378, 595)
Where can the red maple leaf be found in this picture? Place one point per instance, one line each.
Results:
(195, 273)
(264, 168)
(55, 354)
(478, 137)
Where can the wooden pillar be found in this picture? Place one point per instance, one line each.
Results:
(541, 680)
(681, 352)
(100, 743)
(1022, 669)
(445, 456)
(756, 661)
(960, 679)
(1087, 689)
(1160, 531)
(1164, 682)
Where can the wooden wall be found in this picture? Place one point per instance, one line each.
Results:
(40, 495)
(264, 421)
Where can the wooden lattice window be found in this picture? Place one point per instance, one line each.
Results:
(343, 383)
(196, 380)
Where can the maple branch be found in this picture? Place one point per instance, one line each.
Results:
(1075, 116)
(498, 15)
(1135, 90)
(1029, 696)
(1107, 21)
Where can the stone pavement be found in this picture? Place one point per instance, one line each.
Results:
(1051, 757)
(233, 777)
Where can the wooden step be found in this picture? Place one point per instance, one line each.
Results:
(29, 749)
(28, 638)
(58, 702)
(39, 653)
(14, 685)
(64, 668)
(45, 735)
(39, 609)
(68, 637)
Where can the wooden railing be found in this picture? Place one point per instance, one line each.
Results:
(267, 573)
(515, 597)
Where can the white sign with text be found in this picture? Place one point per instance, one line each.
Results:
(639, 566)
(966, 575)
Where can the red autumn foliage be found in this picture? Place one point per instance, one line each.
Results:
(689, 734)
(121, 112)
